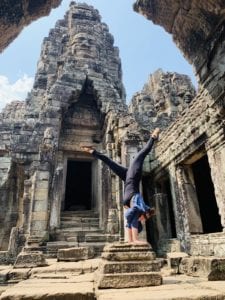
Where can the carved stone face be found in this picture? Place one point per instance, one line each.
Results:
(187, 97)
(83, 41)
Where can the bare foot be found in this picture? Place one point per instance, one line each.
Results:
(155, 133)
(88, 149)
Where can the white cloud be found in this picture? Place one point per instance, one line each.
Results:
(14, 91)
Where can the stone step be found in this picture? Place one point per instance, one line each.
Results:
(129, 280)
(80, 221)
(55, 288)
(77, 234)
(111, 267)
(78, 230)
(84, 213)
(93, 237)
(79, 225)
(79, 218)
(53, 247)
(97, 246)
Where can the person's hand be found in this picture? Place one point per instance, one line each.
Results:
(155, 133)
(88, 149)
(141, 218)
(150, 212)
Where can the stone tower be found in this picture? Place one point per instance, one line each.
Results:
(45, 177)
(162, 99)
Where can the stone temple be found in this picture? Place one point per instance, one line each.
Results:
(54, 196)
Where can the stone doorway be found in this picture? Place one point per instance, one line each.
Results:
(210, 217)
(78, 194)
(167, 190)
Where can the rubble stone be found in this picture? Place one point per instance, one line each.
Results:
(211, 267)
(30, 260)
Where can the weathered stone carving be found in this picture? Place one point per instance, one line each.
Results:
(162, 99)
(14, 18)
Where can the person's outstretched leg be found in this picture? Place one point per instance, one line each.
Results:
(135, 169)
(138, 207)
(134, 172)
(114, 166)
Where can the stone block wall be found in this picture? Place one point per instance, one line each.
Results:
(14, 18)
(199, 33)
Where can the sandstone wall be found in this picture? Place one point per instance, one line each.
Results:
(77, 88)
(15, 15)
(196, 26)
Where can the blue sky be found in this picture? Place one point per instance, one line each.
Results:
(144, 47)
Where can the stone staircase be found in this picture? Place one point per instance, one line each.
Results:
(79, 228)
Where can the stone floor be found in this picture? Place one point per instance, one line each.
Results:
(75, 281)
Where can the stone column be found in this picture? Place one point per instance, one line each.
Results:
(41, 186)
(39, 215)
(31, 255)
(162, 218)
(194, 217)
(216, 158)
(27, 205)
(180, 206)
(56, 195)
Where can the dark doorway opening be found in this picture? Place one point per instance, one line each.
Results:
(205, 193)
(78, 185)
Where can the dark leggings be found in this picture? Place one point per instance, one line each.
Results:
(132, 175)
(114, 166)
(132, 178)
(135, 169)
